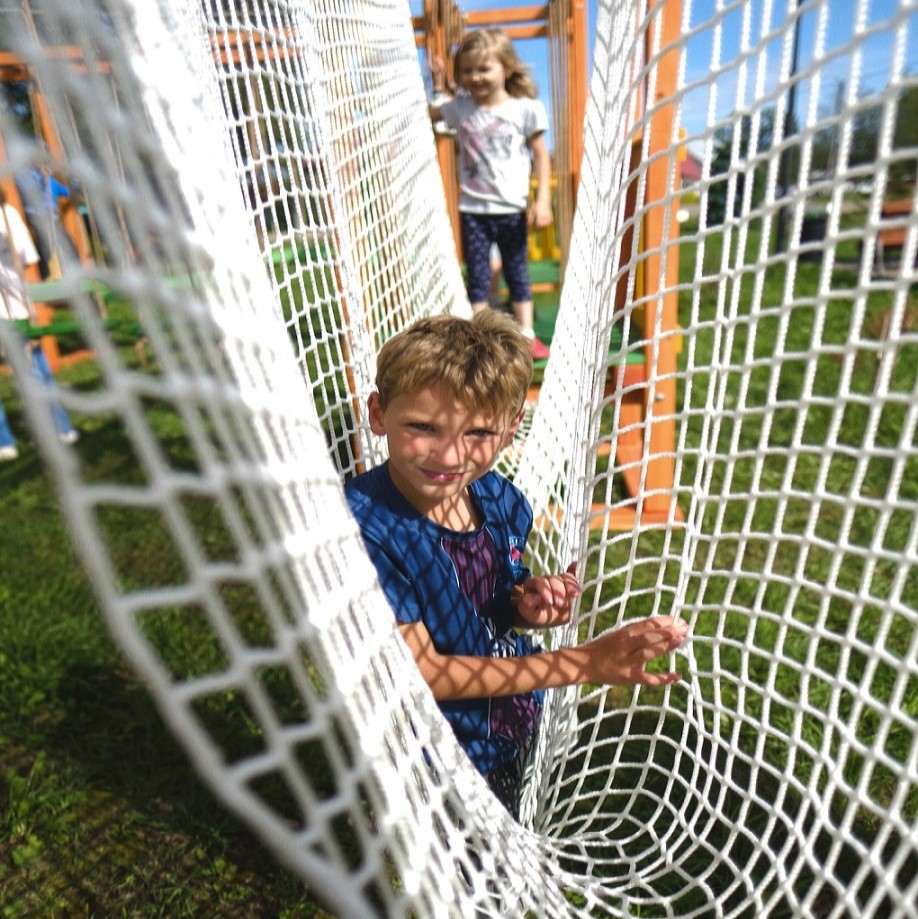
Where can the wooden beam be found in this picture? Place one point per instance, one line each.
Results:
(506, 15)
(659, 235)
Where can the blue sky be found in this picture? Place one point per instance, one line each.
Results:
(825, 34)
(739, 25)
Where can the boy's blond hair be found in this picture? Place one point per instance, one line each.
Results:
(518, 80)
(485, 362)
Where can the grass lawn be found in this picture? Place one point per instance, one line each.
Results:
(759, 561)
(101, 813)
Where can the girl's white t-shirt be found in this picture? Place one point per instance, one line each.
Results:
(16, 251)
(495, 162)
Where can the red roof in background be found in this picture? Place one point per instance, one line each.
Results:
(690, 169)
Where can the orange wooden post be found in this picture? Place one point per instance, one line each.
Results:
(437, 31)
(662, 179)
(43, 313)
(577, 88)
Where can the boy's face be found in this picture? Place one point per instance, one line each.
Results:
(437, 446)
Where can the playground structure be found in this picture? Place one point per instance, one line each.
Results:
(47, 293)
(645, 427)
(14, 70)
(780, 778)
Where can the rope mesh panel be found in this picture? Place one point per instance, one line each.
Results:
(734, 378)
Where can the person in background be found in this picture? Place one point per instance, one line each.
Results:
(18, 258)
(42, 194)
(500, 127)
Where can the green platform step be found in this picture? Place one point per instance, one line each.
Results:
(59, 327)
(540, 272)
(548, 271)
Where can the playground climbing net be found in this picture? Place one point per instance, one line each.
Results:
(743, 455)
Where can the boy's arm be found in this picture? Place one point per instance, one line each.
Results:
(615, 659)
(540, 210)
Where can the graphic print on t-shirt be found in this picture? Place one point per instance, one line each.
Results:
(475, 561)
(485, 144)
(517, 547)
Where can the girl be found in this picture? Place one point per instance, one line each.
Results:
(500, 126)
(18, 257)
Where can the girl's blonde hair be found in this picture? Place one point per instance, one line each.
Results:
(484, 363)
(519, 82)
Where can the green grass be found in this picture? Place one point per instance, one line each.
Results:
(100, 811)
(777, 647)
(101, 814)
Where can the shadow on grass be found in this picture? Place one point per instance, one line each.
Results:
(111, 730)
(687, 826)
(113, 815)
(101, 812)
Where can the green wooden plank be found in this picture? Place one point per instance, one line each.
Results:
(546, 315)
(545, 271)
(288, 253)
(72, 327)
(59, 290)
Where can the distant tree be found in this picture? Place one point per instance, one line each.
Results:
(744, 167)
(865, 136)
(905, 172)
(864, 141)
(906, 133)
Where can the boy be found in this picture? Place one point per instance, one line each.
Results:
(41, 195)
(447, 536)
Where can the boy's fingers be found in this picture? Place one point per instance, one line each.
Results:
(542, 589)
(571, 584)
(570, 588)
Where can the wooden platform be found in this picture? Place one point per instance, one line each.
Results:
(631, 378)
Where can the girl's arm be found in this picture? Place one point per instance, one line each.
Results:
(615, 658)
(442, 91)
(540, 210)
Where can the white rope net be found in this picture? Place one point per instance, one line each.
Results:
(262, 177)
